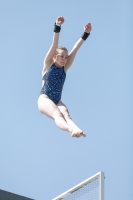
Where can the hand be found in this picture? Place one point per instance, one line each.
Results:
(88, 28)
(60, 20)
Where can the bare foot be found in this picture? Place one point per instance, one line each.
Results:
(83, 134)
(78, 133)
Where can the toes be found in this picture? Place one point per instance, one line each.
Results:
(78, 134)
(74, 135)
(83, 134)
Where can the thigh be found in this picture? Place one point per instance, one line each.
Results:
(48, 107)
(63, 109)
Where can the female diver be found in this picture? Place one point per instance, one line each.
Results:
(56, 63)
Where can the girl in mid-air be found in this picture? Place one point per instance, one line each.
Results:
(56, 63)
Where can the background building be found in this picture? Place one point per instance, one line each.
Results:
(4, 195)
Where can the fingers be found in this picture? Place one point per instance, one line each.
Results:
(88, 27)
(60, 20)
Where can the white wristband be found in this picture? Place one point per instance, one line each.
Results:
(58, 24)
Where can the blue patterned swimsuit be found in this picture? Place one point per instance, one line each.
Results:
(53, 82)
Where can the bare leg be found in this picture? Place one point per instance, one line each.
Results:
(47, 107)
(77, 132)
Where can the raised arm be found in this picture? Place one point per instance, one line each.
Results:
(87, 29)
(49, 56)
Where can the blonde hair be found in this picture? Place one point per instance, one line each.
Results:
(60, 48)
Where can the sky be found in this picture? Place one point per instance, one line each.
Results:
(37, 159)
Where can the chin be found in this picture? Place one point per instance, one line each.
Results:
(60, 65)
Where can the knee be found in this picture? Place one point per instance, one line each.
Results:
(67, 116)
(57, 113)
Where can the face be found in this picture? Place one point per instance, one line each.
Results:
(61, 58)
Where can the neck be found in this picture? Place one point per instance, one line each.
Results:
(57, 65)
